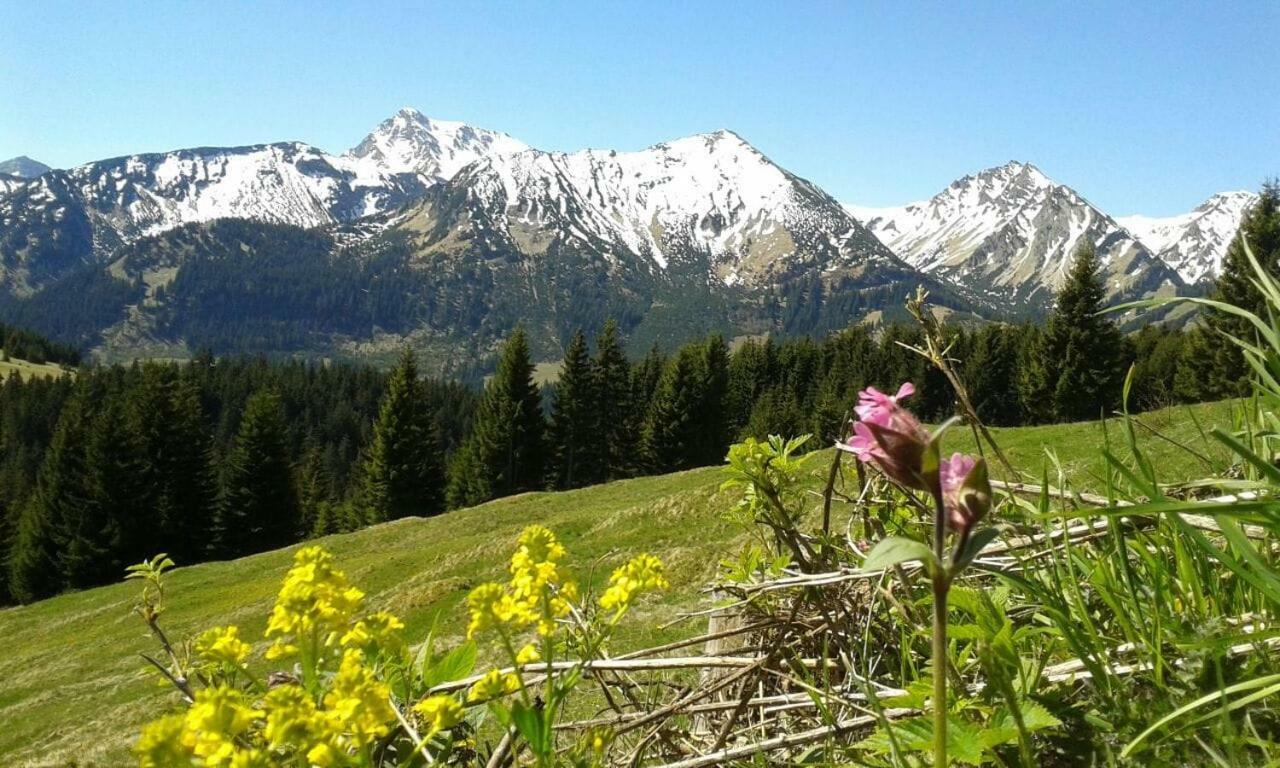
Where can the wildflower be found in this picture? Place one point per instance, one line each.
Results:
(315, 597)
(378, 631)
(642, 574)
(359, 701)
(966, 491)
(491, 607)
(528, 654)
(292, 718)
(216, 718)
(165, 742)
(324, 755)
(251, 758)
(890, 436)
(440, 713)
(493, 685)
(222, 645)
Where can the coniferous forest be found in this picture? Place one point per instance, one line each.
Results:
(222, 457)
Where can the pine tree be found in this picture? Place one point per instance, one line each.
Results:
(114, 526)
(403, 471)
(259, 506)
(991, 374)
(750, 374)
(714, 391)
(35, 564)
(672, 435)
(1078, 359)
(504, 453)
(179, 492)
(619, 419)
(573, 438)
(1260, 228)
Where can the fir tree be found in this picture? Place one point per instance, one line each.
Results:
(991, 374)
(573, 438)
(403, 471)
(1260, 228)
(750, 373)
(114, 526)
(1078, 357)
(711, 411)
(672, 436)
(35, 563)
(619, 419)
(259, 506)
(504, 453)
(176, 481)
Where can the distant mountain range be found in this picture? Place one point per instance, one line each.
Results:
(446, 236)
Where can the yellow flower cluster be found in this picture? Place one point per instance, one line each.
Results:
(315, 598)
(642, 574)
(359, 700)
(222, 645)
(377, 631)
(209, 731)
(223, 727)
(493, 685)
(539, 592)
(440, 713)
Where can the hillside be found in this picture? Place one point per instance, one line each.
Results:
(29, 370)
(75, 690)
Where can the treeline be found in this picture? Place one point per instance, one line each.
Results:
(26, 345)
(208, 459)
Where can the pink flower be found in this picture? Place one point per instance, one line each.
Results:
(889, 435)
(966, 490)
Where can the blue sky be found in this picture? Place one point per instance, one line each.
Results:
(1142, 107)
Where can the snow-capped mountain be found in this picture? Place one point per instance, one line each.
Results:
(1010, 233)
(710, 197)
(126, 198)
(23, 167)
(411, 142)
(1194, 243)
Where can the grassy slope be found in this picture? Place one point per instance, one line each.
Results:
(72, 686)
(28, 370)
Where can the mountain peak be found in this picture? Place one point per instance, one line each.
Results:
(411, 142)
(23, 167)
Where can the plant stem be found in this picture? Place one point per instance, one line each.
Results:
(941, 586)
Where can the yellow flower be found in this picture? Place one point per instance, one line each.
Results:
(528, 654)
(165, 742)
(440, 713)
(493, 685)
(359, 700)
(643, 574)
(324, 755)
(281, 650)
(315, 596)
(251, 758)
(378, 631)
(292, 718)
(217, 717)
(537, 544)
(222, 645)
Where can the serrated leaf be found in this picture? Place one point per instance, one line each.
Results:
(1036, 718)
(895, 550)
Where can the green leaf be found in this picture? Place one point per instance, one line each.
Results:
(897, 549)
(528, 722)
(977, 542)
(454, 665)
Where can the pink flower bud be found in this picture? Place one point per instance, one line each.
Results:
(966, 490)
